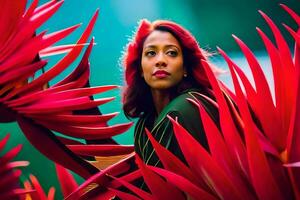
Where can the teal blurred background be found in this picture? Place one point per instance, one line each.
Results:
(211, 21)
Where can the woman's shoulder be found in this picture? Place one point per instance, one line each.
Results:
(187, 112)
(182, 99)
(182, 104)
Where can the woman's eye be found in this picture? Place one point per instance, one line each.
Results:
(150, 53)
(172, 53)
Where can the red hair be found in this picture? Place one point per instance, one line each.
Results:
(185, 38)
(192, 55)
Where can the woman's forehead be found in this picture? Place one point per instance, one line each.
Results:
(160, 38)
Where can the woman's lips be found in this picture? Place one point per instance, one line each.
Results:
(161, 74)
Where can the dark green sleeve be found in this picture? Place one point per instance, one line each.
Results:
(187, 115)
(189, 118)
(192, 123)
(162, 132)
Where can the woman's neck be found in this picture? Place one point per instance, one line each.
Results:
(160, 99)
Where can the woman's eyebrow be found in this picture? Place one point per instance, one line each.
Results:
(150, 46)
(166, 46)
(172, 45)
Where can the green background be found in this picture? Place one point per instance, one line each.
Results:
(211, 21)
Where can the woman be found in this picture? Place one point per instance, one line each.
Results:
(162, 69)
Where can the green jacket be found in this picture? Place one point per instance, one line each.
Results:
(161, 128)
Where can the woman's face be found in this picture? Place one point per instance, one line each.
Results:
(162, 61)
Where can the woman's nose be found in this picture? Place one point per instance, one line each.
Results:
(161, 61)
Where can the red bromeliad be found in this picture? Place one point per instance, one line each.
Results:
(255, 154)
(10, 186)
(9, 183)
(37, 190)
(66, 106)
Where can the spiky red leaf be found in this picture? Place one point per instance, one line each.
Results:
(66, 180)
(173, 163)
(53, 148)
(184, 184)
(37, 186)
(141, 193)
(260, 172)
(100, 179)
(124, 195)
(101, 150)
(229, 128)
(203, 165)
(159, 188)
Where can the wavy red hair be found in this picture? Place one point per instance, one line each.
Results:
(192, 55)
(186, 39)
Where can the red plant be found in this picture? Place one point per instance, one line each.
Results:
(37, 190)
(10, 187)
(66, 181)
(9, 183)
(66, 106)
(255, 155)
